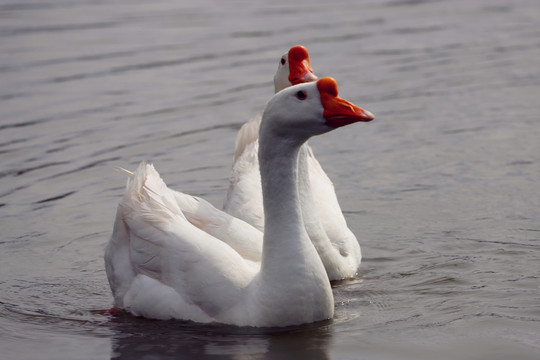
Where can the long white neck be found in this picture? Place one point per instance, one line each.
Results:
(285, 236)
(287, 248)
(292, 286)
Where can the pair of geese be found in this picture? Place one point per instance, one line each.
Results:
(268, 259)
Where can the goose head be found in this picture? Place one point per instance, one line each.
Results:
(309, 109)
(293, 68)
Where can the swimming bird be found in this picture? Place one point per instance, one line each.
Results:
(327, 227)
(161, 266)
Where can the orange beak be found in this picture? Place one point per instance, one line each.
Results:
(337, 111)
(299, 67)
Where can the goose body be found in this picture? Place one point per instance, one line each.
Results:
(339, 248)
(160, 265)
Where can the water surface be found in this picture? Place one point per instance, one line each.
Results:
(441, 189)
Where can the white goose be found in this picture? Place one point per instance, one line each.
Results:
(161, 266)
(327, 228)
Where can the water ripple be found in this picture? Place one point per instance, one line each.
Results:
(56, 28)
(54, 198)
(442, 185)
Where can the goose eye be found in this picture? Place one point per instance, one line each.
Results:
(283, 61)
(301, 95)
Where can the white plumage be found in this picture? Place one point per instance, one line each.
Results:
(162, 264)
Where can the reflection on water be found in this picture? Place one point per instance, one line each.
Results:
(178, 340)
(441, 190)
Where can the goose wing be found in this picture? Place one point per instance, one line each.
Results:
(177, 270)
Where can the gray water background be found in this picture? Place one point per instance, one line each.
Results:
(442, 189)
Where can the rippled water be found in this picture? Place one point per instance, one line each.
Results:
(442, 189)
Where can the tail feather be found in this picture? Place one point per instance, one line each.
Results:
(125, 171)
(149, 194)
